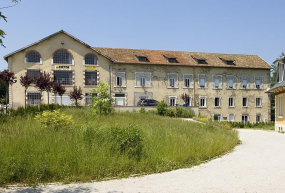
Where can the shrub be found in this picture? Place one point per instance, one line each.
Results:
(170, 113)
(204, 119)
(54, 119)
(128, 141)
(161, 108)
(142, 110)
(184, 112)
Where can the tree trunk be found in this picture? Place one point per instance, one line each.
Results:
(61, 100)
(25, 98)
(48, 97)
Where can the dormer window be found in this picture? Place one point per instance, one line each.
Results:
(172, 60)
(230, 62)
(201, 61)
(142, 58)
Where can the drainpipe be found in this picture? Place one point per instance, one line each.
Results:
(194, 88)
(110, 76)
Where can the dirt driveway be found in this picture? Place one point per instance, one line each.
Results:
(257, 165)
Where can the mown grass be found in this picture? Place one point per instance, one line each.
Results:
(32, 154)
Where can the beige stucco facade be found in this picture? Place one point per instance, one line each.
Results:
(157, 81)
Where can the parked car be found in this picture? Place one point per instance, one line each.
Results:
(147, 102)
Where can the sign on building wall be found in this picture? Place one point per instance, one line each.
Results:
(61, 67)
(90, 68)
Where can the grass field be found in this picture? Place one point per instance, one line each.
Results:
(104, 147)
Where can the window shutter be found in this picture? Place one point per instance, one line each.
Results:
(147, 80)
(176, 80)
(137, 79)
(220, 83)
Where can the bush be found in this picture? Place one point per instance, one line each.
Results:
(161, 108)
(184, 112)
(54, 119)
(128, 141)
(170, 112)
(142, 110)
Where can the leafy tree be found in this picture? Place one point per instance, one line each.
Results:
(2, 33)
(26, 81)
(43, 82)
(59, 89)
(2, 91)
(185, 97)
(9, 79)
(76, 95)
(103, 101)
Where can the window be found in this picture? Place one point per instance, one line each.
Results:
(231, 82)
(258, 102)
(33, 73)
(172, 80)
(258, 82)
(202, 80)
(63, 77)
(200, 61)
(244, 82)
(244, 102)
(217, 117)
(142, 59)
(188, 80)
(217, 101)
(34, 99)
(90, 59)
(90, 78)
(202, 102)
(258, 118)
(231, 117)
(64, 100)
(143, 79)
(280, 76)
(217, 81)
(172, 101)
(230, 62)
(88, 98)
(62, 57)
(120, 99)
(120, 79)
(231, 102)
(33, 57)
(172, 60)
(244, 118)
(280, 105)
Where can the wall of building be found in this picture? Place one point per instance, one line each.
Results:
(160, 90)
(46, 50)
(280, 120)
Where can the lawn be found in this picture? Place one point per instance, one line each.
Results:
(104, 147)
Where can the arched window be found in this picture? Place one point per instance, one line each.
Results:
(62, 57)
(90, 59)
(33, 57)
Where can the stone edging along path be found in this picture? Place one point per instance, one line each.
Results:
(257, 165)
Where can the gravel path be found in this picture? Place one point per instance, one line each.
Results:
(257, 165)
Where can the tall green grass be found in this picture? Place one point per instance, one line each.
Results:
(88, 150)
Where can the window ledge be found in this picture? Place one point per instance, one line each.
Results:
(244, 107)
(217, 107)
(258, 106)
(143, 87)
(202, 107)
(232, 107)
(90, 86)
(280, 116)
(172, 87)
(33, 63)
(120, 86)
(202, 87)
(231, 88)
(217, 88)
(187, 87)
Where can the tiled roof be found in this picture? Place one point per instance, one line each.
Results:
(128, 56)
(276, 86)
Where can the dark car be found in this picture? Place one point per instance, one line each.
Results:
(147, 102)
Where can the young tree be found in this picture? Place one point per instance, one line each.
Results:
(76, 95)
(9, 79)
(43, 83)
(59, 89)
(26, 81)
(185, 97)
(103, 101)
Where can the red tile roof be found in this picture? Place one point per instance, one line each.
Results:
(128, 56)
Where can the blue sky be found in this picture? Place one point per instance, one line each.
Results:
(217, 26)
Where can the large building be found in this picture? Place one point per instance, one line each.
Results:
(227, 87)
(279, 92)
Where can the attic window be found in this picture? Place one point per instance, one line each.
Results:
(142, 59)
(172, 60)
(230, 62)
(201, 61)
